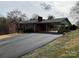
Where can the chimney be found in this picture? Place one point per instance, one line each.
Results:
(39, 18)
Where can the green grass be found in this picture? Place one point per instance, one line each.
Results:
(66, 46)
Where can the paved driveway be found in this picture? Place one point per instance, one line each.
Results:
(21, 44)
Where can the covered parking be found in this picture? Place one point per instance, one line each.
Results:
(55, 25)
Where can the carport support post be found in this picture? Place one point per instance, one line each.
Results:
(46, 27)
(34, 27)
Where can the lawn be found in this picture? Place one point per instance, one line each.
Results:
(66, 46)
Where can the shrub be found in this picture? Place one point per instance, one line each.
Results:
(73, 27)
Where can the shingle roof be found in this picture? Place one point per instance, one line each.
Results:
(63, 20)
(53, 20)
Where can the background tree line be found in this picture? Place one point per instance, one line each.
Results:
(14, 15)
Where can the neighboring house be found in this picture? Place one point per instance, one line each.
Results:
(40, 25)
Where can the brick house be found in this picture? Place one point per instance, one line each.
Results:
(42, 25)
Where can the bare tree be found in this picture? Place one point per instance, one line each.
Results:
(16, 15)
(50, 17)
(74, 13)
(77, 23)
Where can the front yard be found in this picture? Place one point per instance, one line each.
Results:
(66, 46)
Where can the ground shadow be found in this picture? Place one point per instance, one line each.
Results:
(46, 32)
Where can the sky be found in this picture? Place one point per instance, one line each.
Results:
(56, 8)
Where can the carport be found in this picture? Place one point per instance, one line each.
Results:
(46, 27)
(37, 25)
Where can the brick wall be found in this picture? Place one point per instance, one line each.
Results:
(12, 27)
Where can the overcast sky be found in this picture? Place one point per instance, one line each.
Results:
(56, 8)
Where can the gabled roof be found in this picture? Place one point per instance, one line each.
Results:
(32, 21)
(57, 20)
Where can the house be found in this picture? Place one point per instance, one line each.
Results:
(41, 25)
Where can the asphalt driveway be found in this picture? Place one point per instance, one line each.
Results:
(21, 44)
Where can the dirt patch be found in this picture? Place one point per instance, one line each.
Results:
(2, 37)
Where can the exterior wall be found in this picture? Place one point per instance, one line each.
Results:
(12, 27)
(40, 27)
(23, 27)
(44, 27)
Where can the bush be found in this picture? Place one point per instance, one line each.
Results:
(73, 27)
